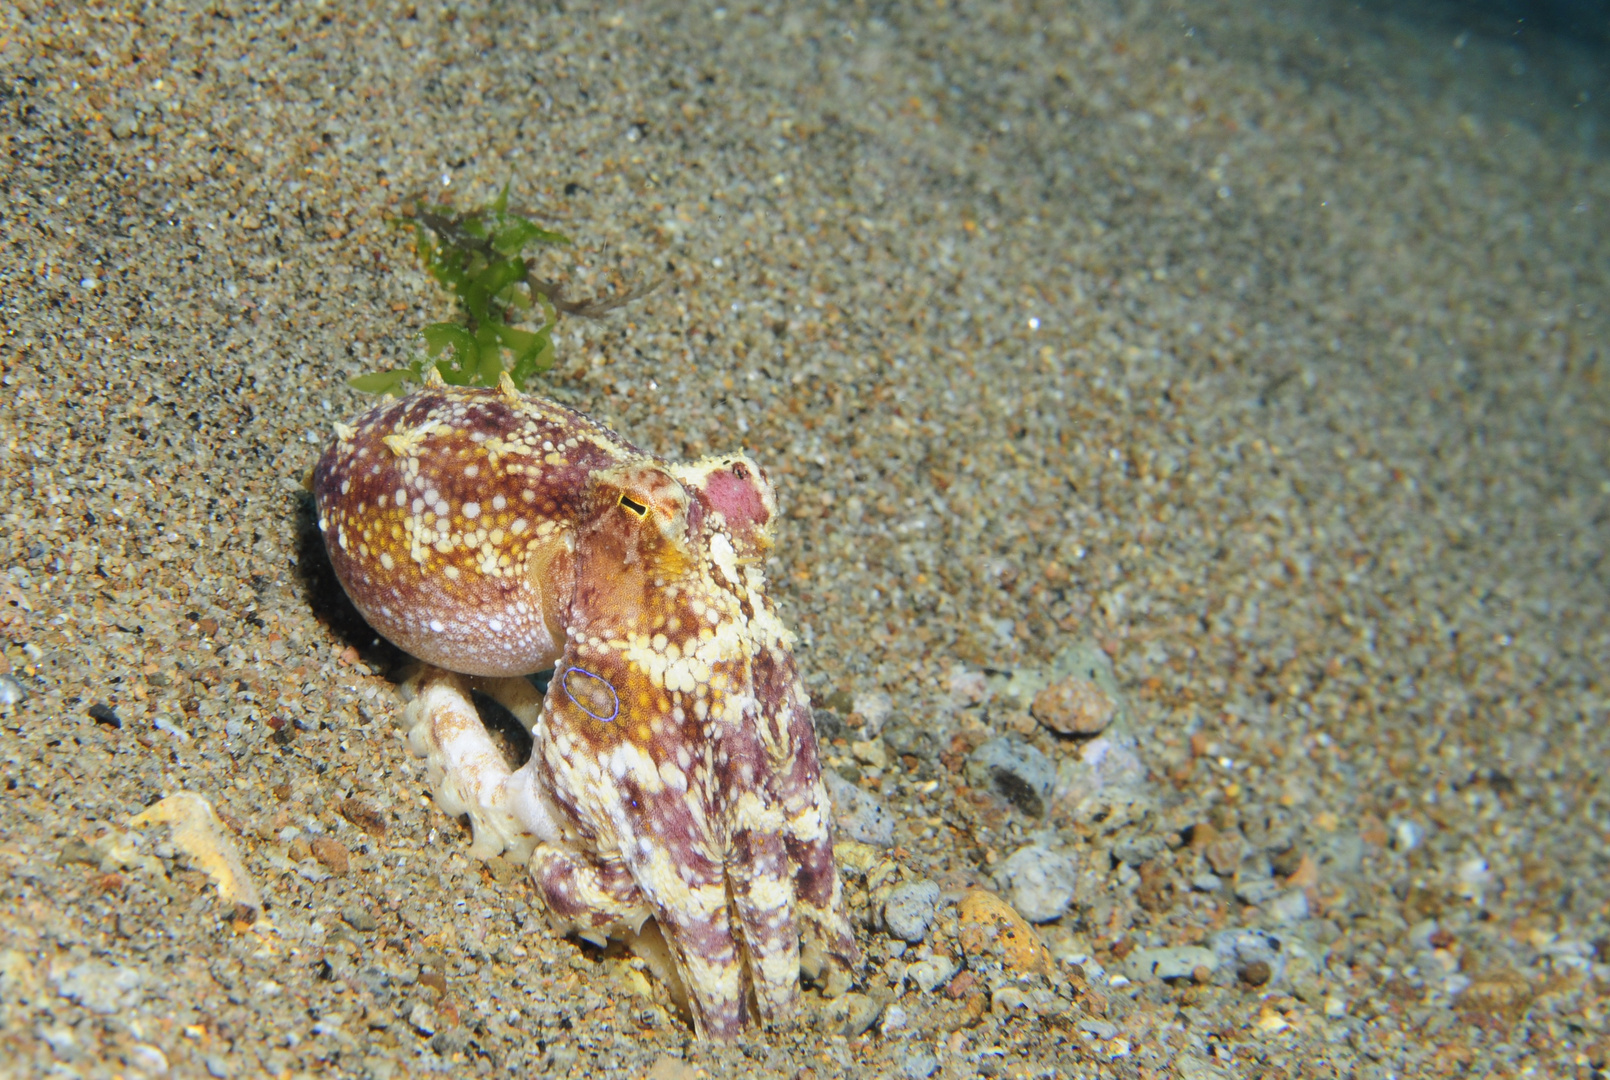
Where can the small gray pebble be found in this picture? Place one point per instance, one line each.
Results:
(932, 973)
(1257, 890)
(1014, 770)
(1320, 932)
(359, 919)
(1175, 962)
(124, 124)
(11, 691)
(909, 910)
(450, 1042)
(377, 982)
(1208, 883)
(1289, 908)
(851, 1014)
(1039, 882)
(422, 1018)
(858, 814)
(920, 1064)
(1236, 949)
(1101, 1029)
(218, 1067)
(102, 988)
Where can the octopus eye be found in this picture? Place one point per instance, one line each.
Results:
(634, 506)
(591, 693)
(740, 471)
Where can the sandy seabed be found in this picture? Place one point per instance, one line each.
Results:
(1260, 353)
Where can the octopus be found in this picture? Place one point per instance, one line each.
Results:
(674, 782)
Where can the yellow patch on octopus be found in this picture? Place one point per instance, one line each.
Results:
(751, 812)
(809, 826)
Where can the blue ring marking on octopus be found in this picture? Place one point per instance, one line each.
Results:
(564, 682)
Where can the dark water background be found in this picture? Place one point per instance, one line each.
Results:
(1544, 63)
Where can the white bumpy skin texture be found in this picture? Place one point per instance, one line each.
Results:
(674, 770)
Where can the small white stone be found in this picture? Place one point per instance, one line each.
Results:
(1039, 882)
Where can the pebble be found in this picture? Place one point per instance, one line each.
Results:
(17, 978)
(1039, 881)
(920, 1064)
(148, 1059)
(1222, 850)
(1288, 909)
(1107, 768)
(61, 1041)
(859, 814)
(1406, 835)
(1012, 692)
(1175, 962)
(1038, 1000)
(162, 723)
(377, 981)
(358, 918)
(666, 1067)
(102, 988)
(961, 985)
(1101, 1029)
(366, 814)
(1073, 706)
(871, 752)
(1208, 883)
(968, 688)
(1247, 954)
(503, 871)
(332, 853)
(850, 1014)
(104, 714)
(422, 1018)
(988, 921)
(1255, 889)
(1088, 661)
(930, 974)
(218, 1067)
(11, 691)
(869, 710)
(1014, 770)
(450, 1042)
(901, 737)
(910, 910)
